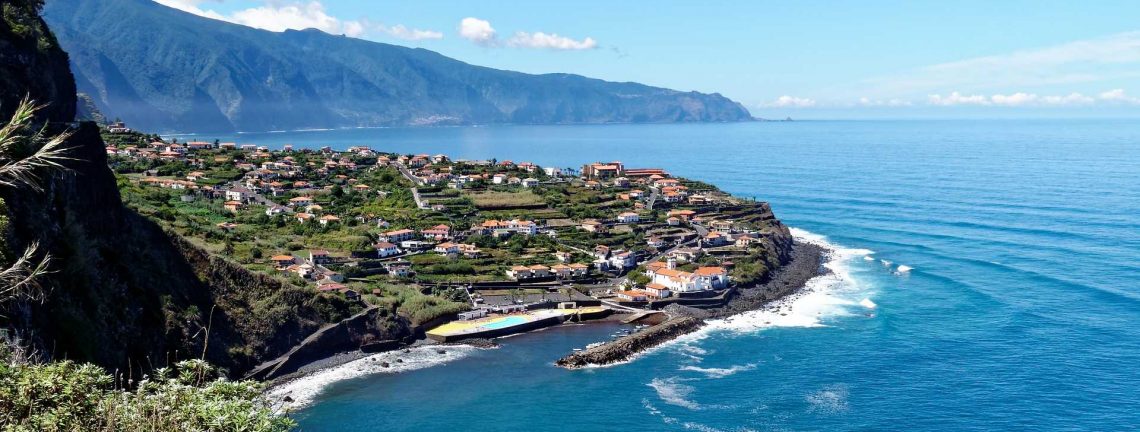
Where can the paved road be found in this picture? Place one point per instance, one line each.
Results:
(420, 202)
(652, 198)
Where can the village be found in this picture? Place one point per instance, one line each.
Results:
(471, 240)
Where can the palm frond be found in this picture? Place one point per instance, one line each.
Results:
(21, 279)
(50, 152)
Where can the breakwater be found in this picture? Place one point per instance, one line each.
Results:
(624, 348)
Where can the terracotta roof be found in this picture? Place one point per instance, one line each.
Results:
(710, 271)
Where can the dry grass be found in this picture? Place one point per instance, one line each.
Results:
(494, 199)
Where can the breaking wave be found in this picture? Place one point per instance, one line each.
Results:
(720, 372)
(303, 391)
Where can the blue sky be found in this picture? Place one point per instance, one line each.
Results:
(805, 59)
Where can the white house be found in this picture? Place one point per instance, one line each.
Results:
(657, 290)
(628, 217)
(301, 201)
(385, 249)
(235, 195)
(447, 248)
(499, 179)
(398, 235)
(666, 275)
(274, 211)
(623, 260)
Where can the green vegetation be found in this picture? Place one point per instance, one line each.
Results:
(67, 396)
(420, 308)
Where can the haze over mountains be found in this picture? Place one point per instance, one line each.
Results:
(162, 69)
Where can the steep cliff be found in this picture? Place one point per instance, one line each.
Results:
(32, 63)
(123, 293)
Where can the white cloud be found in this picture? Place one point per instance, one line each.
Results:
(478, 31)
(790, 102)
(1019, 99)
(280, 15)
(399, 31)
(1083, 61)
(550, 41)
(896, 102)
(1070, 99)
(482, 33)
(956, 98)
(1118, 96)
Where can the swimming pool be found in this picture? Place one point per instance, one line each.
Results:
(506, 322)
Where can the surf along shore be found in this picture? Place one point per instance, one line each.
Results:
(806, 263)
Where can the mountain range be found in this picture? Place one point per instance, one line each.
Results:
(165, 70)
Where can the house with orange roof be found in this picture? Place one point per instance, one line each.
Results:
(563, 271)
(519, 272)
(579, 269)
(683, 215)
(658, 290)
(440, 231)
(282, 261)
(634, 296)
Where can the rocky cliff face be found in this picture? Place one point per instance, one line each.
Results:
(32, 64)
(125, 294)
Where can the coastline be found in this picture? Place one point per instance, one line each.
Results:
(295, 389)
(806, 263)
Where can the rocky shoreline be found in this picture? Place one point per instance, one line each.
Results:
(624, 348)
(806, 263)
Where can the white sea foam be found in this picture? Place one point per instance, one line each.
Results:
(886, 263)
(825, 296)
(720, 372)
(905, 268)
(673, 392)
(868, 258)
(822, 297)
(867, 303)
(829, 400)
(305, 389)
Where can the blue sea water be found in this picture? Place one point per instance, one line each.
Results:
(1021, 310)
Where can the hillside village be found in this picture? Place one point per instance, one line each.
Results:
(489, 236)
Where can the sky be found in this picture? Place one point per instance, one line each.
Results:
(800, 59)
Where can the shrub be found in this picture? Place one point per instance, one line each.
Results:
(65, 396)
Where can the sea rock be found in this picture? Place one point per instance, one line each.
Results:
(624, 348)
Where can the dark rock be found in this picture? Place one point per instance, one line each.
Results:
(625, 347)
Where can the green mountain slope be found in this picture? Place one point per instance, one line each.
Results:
(164, 70)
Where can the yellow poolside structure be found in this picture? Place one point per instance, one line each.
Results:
(502, 325)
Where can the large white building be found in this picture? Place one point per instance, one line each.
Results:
(666, 275)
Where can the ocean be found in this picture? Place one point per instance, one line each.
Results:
(985, 277)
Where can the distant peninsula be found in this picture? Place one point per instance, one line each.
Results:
(164, 70)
